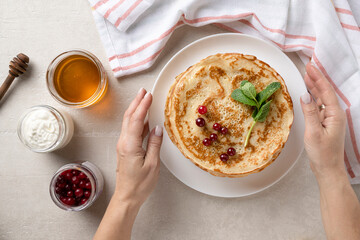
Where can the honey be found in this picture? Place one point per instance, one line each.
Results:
(76, 78)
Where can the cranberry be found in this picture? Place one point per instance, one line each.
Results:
(216, 126)
(213, 137)
(83, 201)
(88, 185)
(231, 151)
(68, 175)
(60, 179)
(224, 130)
(75, 180)
(69, 193)
(79, 192)
(82, 184)
(63, 199)
(74, 186)
(207, 142)
(70, 201)
(202, 109)
(61, 185)
(67, 187)
(200, 122)
(82, 175)
(87, 194)
(224, 157)
(58, 190)
(75, 172)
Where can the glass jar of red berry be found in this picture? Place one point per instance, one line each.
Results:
(76, 186)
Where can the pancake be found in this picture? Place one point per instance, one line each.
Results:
(210, 83)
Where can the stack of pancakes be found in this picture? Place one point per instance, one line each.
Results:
(210, 83)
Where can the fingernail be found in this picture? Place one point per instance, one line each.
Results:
(141, 90)
(158, 130)
(147, 94)
(306, 98)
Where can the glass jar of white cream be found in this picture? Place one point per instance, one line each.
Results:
(44, 129)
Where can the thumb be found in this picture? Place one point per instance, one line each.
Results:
(311, 113)
(154, 145)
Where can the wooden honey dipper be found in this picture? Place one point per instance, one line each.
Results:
(17, 67)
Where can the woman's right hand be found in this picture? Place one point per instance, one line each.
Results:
(324, 129)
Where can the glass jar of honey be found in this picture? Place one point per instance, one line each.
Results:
(77, 79)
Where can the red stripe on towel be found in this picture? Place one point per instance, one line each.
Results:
(139, 63)
(351, 27)
(139, 49)
(342, 10)
(110, 10)
(127, 13)
(99, 3)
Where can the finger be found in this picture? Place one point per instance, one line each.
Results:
(136, 124)
(146, 129)
(311, 86)
(324, 88)
(311, 114)
(132, 107)
(321, 111)
(152, 157)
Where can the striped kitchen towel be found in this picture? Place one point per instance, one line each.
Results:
(134, 32)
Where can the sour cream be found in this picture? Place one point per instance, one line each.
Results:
(45, 129)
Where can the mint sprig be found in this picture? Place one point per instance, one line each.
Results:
(246, 94)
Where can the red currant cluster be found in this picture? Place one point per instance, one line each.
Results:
(213, 137)
(73, 187)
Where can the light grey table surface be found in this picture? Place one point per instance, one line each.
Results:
(43, 29)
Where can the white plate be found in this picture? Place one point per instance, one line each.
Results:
(183, 168)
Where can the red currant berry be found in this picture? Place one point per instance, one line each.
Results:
(63, 200)
(88, 185)
(202, 109)
(68, 175)
(79, 192)
(58, 190)
(75, 180)
(200, 122)
(60, 178)
(224, 130)
(213, 137)
(207, 142)
(82, 175)
(82, 184)
(216, 126)
(69, 193)
(65, 172)
(67, 187)
(70, 201)
(231, 151)
(83, 201)
(61, 185)
(87, 194)
(224, 157)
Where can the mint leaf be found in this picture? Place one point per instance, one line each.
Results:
(267, 92)
(263, 112)
(249, 90)
(254, 113)
(239, 96)
(243, 83)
